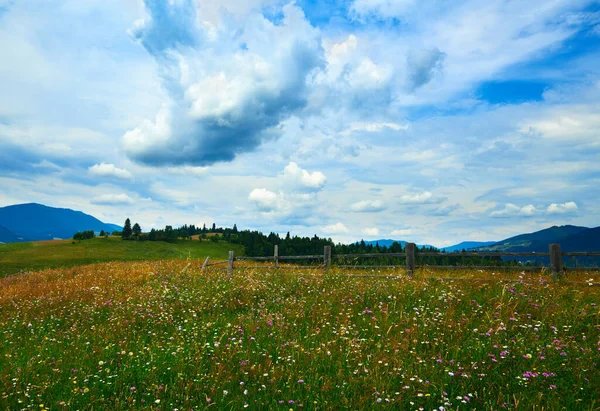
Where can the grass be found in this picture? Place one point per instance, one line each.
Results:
(17, 257)
(145, 335)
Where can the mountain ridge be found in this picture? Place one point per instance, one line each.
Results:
(34, 222)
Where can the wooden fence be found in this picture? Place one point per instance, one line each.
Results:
(554, 253)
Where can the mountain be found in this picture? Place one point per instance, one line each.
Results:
(32, 222)
(537, 241)
(467, 245)
(7, 236)
(586, 240)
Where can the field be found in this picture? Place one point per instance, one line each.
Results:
(145, 335)
(17, 257)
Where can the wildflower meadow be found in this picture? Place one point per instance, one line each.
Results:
(153, 335)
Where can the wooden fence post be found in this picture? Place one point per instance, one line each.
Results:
(410, 259)
(230, 264)
(205, 262)
(276, 256)
(326, 258)
(556, 261)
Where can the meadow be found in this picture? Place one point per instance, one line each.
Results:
(157, 335)
(17, 257)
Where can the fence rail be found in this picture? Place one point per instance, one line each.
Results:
(554, 252)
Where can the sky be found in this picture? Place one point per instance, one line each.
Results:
(432, 121)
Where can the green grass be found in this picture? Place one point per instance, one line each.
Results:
(144, 335)
(17, 257)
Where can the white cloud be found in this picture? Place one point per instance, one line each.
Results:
(374, 231)
(511, 210)
(376, 127)
(302, 179)
(420, 198)
(368, 206)
(566, 208)
(109, 170)
(264, 199)
(403, 232)
(227, 94)
(188, 170)
(337, 228)
(112, 199)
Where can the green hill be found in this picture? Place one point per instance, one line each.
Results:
(39, 255)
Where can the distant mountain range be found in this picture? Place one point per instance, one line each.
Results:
(467, 245)
(34, 222)
(570, 238)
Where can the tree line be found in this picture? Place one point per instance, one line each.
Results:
(258, 244)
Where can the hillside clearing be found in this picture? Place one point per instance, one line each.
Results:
(17, 257)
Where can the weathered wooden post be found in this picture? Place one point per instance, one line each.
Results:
(556, 261)
(410, 259)
(230, 264)
(205, 263)
(276, 256)
(326, 258)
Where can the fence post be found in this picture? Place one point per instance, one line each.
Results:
(230, 264)
(326, 257)
(205, 262)
(276, 256)
(410, 259)
(556, 261)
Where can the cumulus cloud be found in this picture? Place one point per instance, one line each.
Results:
(566, 208)
(420, 198)
(337, 228)
(264, 199)
(302, 179)
(371, 231)
(512, 210)
(112, 199)
(228, 92)
(109, 170)
(368, 206)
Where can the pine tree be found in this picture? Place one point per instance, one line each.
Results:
(137, 230)
(126, 235)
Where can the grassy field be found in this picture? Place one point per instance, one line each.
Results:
(145, 335)
(39, 255)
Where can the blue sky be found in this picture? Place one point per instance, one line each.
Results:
(429, 121)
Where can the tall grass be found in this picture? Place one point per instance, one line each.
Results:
(144, 335)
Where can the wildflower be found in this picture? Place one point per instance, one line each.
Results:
(157, 401)
(301, 381)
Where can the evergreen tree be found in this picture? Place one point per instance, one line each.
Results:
(126, 235)
(137, 230)
(235, 229)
